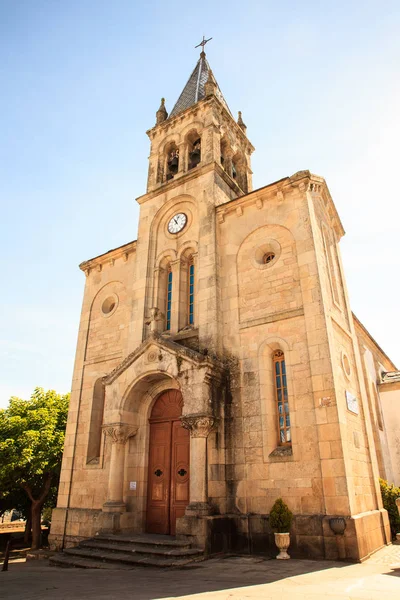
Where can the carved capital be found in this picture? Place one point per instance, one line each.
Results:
(199, 425)
(155, 316)
(120, 432)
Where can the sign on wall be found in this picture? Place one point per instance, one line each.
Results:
(132, 485)
(352, 402)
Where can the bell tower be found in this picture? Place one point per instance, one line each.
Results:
(200, 132)
(199, 159)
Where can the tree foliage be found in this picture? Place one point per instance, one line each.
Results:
(389, 494)
(280, 517)
(31, 444)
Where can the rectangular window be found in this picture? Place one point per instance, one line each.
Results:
(191, 294)
(169, 300)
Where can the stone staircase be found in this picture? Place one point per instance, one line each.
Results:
(110, 551)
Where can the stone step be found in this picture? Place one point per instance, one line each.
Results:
(128, 552)
(140, 549)
(127, 558)
(144, 538)
(62, 560)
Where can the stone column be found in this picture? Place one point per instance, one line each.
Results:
(182, 158)
(119, 434)
(200, 426)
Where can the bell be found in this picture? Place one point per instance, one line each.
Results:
(173, 165)
(194, 158)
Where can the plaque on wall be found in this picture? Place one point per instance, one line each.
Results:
(352, 402)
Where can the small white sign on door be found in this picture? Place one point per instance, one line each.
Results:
(132, 485)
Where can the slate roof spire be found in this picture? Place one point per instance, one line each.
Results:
(194, 89)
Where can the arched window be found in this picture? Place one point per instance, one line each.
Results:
(172, 160)
(191, 292)
(193, 142)
(239, 171)
(282, 397)
(168, 299)
(96, 421)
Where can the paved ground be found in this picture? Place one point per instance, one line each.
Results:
(230, 578)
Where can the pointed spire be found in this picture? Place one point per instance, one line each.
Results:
(210, 85)
(195, 88)
(161, 114)
(240, 122)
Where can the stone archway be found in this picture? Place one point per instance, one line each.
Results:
(132, 390)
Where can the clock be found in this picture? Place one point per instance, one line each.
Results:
(177, 223)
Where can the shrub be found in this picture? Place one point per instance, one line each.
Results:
(389, 495)
(280, 517)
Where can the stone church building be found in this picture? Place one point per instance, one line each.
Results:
(219, 366)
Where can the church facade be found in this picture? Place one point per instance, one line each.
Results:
(219, 366)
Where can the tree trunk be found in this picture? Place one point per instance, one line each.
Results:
(36, 509)
(36, 524)
(28, 528)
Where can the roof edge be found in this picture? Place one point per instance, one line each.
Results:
(367, 333)
(109, 255)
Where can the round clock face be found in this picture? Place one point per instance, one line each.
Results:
(177, 223)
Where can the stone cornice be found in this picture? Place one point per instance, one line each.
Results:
(108, 258)
(363, 332)
(183, 178)
(303, 180)
(317, 185)
(200, 360)
(254, 197)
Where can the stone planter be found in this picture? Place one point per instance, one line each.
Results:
(282, 540)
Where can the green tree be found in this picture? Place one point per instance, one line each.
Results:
(389, 494)
(31, 444)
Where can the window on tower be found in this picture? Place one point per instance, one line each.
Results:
(194, 149)
(169, 299)
(282, 401)
(191, 292)
(172, 158)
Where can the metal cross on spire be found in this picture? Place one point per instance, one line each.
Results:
(203, 43)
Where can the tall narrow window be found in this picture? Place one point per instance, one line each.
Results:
(96, 421)
(169, 299)
(191, 292)
(282, 397)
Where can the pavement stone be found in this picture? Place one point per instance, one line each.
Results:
(223, 578)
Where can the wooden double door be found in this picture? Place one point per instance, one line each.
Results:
(168, 475)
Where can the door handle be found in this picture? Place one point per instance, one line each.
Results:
(182, 472)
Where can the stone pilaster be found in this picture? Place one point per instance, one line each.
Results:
(119, 433)
(200, 426)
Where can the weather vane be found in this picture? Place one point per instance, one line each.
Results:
(203, 43)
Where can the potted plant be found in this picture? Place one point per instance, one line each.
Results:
(280, 519)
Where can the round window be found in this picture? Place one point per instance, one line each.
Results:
(268, 257)
(266, 254)
(109, 305)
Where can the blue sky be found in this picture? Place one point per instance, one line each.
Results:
(317, 82)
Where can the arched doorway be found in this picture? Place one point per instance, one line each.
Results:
(168, 475)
